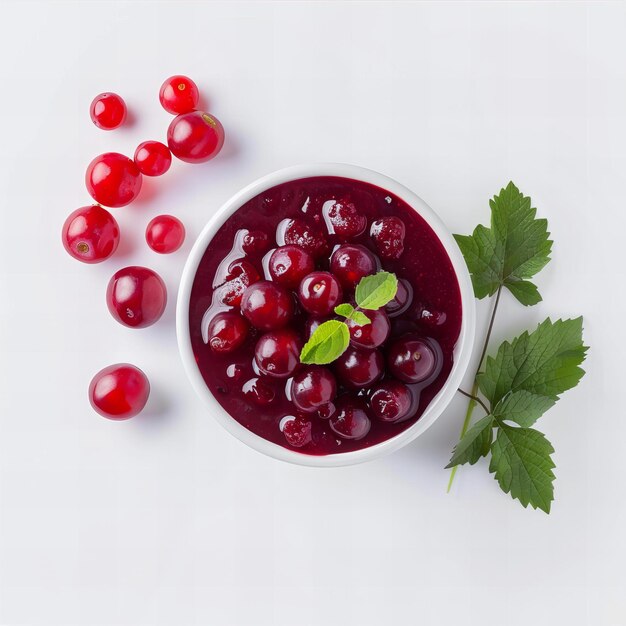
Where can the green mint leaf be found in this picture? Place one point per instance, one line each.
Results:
(328, 342)
(349, 312)
(521, 462)
(376, 290)
(475, 443)
(345, 310)
(523, 407)
(544, 362)
(515, 248)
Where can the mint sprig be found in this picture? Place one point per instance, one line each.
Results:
(527, 375)
(331, 339)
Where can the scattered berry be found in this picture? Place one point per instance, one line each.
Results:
(388, 234)
(370, 335)
(277, 353)
(90, 234)
(119, 392)
(241, 274)
(343, 219)
(349, 263)
(288, 265)
(312, 388)
(358, 368)
(412, 360)
(227, 331)
(297, 432)
(351, 420)
(391, 401)
(108, 111)
(113, 179)
(165, 234)
(320, 293)
(179, 94)
(267, 306)
(153, 158)
(195, 137)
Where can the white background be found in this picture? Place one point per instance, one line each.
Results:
(166, 519)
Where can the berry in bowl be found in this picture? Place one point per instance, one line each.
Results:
(325, 315)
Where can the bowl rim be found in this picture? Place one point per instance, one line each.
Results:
(462, 350)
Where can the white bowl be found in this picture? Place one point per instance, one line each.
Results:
(462, 350)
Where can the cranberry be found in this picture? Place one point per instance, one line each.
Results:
(113, 179)
(388, 234)
(227, 331)
(108, 111)
(241, 274)
(373, 334)
(391, 401)
(136, 296)
(358, 368)
(90, 234)
(195, 137)
(349, 263)
(258, 391)
(277, 353)
(165, 234)
(320, 293)
(179, 94)
(298, 233)
(297, 432)
(343, 219)
(402, 300)
(267, 306)
(153, 158)
(351, 420)
(288, 265)
(312, 388)
(255, 242)
(411, 360)
(119, 391)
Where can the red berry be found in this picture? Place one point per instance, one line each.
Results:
(312, 388)
(179, 94)
(241, 274)
(358, 368)
(412, 360)
(136, 296)
(119, 391)
(165, 234)
(255, 242)
(298, 233)
(288, 265)
(297, 432)
(153, 158)
(90, 234)
(402, 300)
(343, 219)
(195, 137)
(351, 420)
(267, 306)
(277, 354)
(391, 401)
(349, 263)
(388, 235)
(258, 391)
(320, 293)
(113, 179)
(108, 111)
(370, 335)
(227, 331)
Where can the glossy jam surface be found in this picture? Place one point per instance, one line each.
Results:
(319, 214)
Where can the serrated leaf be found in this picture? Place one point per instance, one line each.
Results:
(544, 362)
(515, 248)
(350, 313)
(475, 443)
(523, 407)
(521, 462)
(327, 343)
(345, 310)
(376, 290)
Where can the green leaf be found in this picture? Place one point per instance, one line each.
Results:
(328, 342)
(523, 407)
(515, 248)
(521, 462)
(544, 362)
(349, 312)
(376, 290)
(475, 443)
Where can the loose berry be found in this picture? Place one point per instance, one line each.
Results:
(402, 300)
(90, 234)
(179, 94)
(136, 296)
(312, 388)
(277, 353)
(195, 137)
(255, 242)
(113, 179)
(388, 234)
(298, 233)
(267, 306)
(343, 219)
(297, 432)
(153, 158)
(370, 335)
(320, 293)
(119, 391)
(165, 234)
(108, 111)
(391, 401)
(358, 369)
(227, 331)
(241, 274)
(288, 265)
(351, 420)
(412, 360)
(258, 391)
(349, 263)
